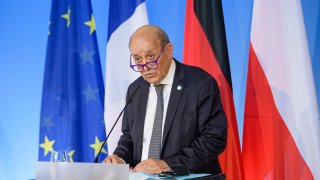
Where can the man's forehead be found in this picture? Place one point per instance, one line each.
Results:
(147, 51)
(143, 47)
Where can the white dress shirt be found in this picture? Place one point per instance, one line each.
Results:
(151, 109)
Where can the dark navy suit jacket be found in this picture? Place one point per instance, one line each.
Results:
(195, 129)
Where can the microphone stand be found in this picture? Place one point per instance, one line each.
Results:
(104, 142)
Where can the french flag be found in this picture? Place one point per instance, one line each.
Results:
(124, 18)
(282, 128)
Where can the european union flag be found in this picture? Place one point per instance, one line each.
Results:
(73, 90)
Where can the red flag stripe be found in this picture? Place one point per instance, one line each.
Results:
(269, 151)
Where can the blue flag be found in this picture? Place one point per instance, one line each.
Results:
(73, 90)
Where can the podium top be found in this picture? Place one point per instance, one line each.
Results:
(80, 171)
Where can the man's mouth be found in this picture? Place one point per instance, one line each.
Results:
(148, 75)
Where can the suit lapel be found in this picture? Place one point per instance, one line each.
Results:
(141, 113)
(175, 95)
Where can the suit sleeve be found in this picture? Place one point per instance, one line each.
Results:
(212, 126)
(125, 145)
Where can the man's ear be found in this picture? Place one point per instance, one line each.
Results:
(169, 49)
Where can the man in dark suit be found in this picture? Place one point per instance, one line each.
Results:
(176, 118)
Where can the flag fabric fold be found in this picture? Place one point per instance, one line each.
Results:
(124, 18)
(205, 46)
(73, 91)
(281, 126)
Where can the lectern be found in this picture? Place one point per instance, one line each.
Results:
(81, 171)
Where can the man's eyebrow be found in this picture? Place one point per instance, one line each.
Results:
(135, 54)
(146, 52)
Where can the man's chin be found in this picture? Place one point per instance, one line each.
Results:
(151, 80)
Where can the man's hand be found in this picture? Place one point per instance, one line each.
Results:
(152, 166)
(113, 159)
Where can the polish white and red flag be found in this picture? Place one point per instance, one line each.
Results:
(281, 137)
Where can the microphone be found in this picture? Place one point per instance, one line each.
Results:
(127, 103)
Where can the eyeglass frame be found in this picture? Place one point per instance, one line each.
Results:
(145, 64)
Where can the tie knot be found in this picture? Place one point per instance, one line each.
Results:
(159, 89)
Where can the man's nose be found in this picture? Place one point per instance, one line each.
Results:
(144, 61)
(145, 68)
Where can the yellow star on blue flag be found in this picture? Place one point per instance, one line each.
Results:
(67, 17)
(96, 146)
(91, 24)
(70, 154)
(47, 145)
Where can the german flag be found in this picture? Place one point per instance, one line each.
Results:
(205, 46)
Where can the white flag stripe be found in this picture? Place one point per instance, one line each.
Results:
(283, 53)
(118, 72)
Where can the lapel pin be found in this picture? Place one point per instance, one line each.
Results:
(179, 88)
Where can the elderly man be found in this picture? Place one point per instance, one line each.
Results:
(176, 118)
